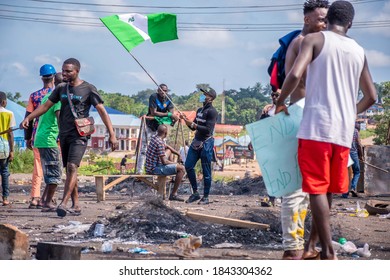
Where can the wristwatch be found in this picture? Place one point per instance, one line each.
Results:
(193, 125)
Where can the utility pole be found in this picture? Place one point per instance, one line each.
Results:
(223, 103)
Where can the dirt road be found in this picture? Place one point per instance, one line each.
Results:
(140, 221)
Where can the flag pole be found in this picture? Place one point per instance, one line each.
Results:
(166, 94)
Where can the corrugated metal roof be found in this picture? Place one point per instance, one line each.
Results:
(218, 140)
(109, 110)
(118, 120)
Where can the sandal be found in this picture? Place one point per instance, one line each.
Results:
(62, 211)
(49, 209)
(311, 255)
(292, 255)
(35, 201)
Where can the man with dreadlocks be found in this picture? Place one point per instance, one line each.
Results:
(336, 69)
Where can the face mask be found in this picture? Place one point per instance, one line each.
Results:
(202, 98)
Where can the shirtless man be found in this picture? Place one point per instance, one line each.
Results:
(294, 205)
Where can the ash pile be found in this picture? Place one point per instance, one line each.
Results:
(154, 222)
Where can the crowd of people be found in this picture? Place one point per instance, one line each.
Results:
(324, 66)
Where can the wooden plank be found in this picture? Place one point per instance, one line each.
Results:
(149, 183)
(117, 181)
(99, 183)
(160, 186)
(161, 183)
(226, 221)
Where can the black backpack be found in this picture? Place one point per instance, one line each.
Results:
(276, 67)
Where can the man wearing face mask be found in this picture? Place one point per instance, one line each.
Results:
(202, 146)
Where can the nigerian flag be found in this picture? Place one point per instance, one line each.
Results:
(133, 29)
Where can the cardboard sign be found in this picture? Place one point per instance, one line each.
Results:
(276, 147)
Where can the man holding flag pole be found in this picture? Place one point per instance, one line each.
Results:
(131, 30)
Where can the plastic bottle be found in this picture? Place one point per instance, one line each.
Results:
(342, 240)
(107, 247)
(362, 213)
(364, 252)
(99, 230)
(349, 247)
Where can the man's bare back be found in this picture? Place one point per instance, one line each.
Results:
(292, 53)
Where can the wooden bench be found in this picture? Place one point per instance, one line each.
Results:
(159, 185)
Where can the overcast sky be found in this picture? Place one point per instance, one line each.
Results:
(225, 43)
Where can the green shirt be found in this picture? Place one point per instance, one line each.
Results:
(47, 131)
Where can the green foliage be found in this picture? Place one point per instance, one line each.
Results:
(366, 133)
(123, 103)
(102, 166)
(383, 121)
(223, 178)
(15, 98)
(23, 161)
(382, 128)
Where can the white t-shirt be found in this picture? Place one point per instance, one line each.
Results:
(183, 154)
(332, 85)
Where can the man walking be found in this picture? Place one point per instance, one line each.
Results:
(46, 141)
(337, 68)
(202, 146)
(47, 73)
(295, 205)
(83, 95)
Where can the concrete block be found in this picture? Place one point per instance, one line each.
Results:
(13, 243)
(377, 182)
(57, 251)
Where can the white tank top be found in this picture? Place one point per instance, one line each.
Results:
(332, 85)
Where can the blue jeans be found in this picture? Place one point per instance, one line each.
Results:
(205, 155)
(355, 170)
(168, 169)
(4, 176)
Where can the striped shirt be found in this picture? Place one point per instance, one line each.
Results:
(156, 149)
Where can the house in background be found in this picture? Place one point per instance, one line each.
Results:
(126, 127)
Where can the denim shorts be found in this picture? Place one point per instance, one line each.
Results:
(169, 169)
(51, 165)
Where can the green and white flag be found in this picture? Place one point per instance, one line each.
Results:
(133, 29)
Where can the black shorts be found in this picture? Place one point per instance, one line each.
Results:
(72, 149)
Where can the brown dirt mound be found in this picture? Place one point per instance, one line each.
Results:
(154, 222)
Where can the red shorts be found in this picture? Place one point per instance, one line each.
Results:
(323, 167)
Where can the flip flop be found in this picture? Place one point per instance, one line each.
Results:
(61, 211)
(311, 255)
(48, 209)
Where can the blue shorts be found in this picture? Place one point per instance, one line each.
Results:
(169, 169)
(51, 165)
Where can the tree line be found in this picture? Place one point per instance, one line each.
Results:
(242, 106)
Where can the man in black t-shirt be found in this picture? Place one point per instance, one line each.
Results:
(162, 111)
(202, 147)
(82, 95)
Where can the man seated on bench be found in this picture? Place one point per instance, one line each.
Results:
(158, 163)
